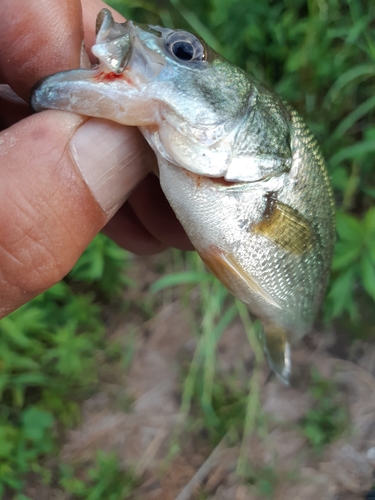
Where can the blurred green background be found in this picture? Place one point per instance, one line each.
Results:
(320, 56)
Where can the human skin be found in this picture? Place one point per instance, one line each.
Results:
(64, 177)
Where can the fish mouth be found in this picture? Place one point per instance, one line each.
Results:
(115, 88)
(122, 47)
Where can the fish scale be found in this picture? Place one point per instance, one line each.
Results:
(238, 165)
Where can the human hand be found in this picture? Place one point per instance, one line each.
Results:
(63, 176)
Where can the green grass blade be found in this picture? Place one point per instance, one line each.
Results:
(200, 28)
(362, 71)
(181, 278)
(363, 109)
(351, 152)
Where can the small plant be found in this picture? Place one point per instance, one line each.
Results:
(48, 351)
(105, 479)
(103, 267)
(24, 439)
(263, 480)
(320, 57)
(353, 262)
(328, 419)
(226, 414)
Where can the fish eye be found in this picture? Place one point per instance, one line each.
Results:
(185, 47)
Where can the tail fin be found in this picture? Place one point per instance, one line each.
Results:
(278, 352)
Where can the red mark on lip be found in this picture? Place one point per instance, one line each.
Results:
(108, 77)
(112, 76)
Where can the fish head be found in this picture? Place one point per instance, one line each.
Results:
(186, 97)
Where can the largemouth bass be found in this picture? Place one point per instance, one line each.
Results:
(238, 165)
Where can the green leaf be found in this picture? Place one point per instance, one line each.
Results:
(182, 278)
(341, 292)
(357, 72)
(345, 254)
(197, 26)
(10, 328)
(369, 222)
(348, 153)
(349, 228)
(29, 379)
(35, 422)
(367, 269)
(340, 178)
(363, 109)
(7, 441)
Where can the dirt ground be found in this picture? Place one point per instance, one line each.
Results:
(137, 411)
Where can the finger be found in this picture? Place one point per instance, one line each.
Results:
(61, 178)
(12, 107)
(154, 212)
(41, 37)
(37, 38)
(127, 231)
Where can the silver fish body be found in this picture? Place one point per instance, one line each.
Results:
(239, 167)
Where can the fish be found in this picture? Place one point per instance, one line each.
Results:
(239, 167)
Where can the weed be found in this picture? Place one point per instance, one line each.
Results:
(102, 268)
(320, 57)
(219, 404)
(263, 480)
(328, 418)
(105, 479)
(47, 359)
(353, 262)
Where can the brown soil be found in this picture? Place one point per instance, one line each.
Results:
(137, 412)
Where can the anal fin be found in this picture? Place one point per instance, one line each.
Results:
(227, 270)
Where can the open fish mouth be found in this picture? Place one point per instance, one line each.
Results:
(115, 87)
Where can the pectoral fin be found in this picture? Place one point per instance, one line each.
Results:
(277, 350)
(285, 226)
(228, 271)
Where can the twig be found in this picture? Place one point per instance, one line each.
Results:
(203, 471)
(151, 451)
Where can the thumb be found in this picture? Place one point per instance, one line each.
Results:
(61, 179)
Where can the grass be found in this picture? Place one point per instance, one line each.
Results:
(328, 419)
(104, 479)
(48, 359)
(320, 56)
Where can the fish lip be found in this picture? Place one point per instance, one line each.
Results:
(47, 85)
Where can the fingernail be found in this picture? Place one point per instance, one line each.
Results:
(112, 159)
